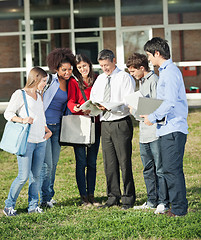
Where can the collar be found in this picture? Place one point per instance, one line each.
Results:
(116, 70)
(147, 76)
(165, 64)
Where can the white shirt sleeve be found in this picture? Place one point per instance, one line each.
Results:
(15, 104)
(122, 84)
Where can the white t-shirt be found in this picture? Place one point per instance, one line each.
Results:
(16, 107)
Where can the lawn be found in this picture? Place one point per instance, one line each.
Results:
(69, 220)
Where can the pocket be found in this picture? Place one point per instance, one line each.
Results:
(170, 136)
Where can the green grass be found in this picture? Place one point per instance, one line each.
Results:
(68, 220)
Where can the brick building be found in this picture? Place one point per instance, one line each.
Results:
(30, 29)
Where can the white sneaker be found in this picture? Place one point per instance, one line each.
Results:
(161, 209)
(10, 211)
(50, 204)
(53, 201)
(36, 210)
(143, 206)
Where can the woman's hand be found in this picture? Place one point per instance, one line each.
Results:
(48, 133)
(23, 120)
(27, 120)
(77, 108)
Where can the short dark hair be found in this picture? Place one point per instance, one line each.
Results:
(158, 44)
(106, 54)
(137, 60)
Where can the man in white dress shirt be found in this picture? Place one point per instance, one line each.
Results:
(116, 130)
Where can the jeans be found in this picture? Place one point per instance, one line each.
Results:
(172, 152)
(153, 173)
(48, 172)
(29, 166)
(86, 159)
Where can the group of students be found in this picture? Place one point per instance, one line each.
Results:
(161, 145)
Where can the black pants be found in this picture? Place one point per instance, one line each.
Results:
(117, 151)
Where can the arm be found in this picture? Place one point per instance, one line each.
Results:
(48, 133)
(15, 104)
(73, 104)
(127, 87)
(153, 89)
(168, 91)
(22, 120)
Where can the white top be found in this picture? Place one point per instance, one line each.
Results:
(122, 84)
(17, 108)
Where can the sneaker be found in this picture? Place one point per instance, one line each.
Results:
(53, 201)
(50, 204)
(10, 211)
(143, 206)
(46, 205)
(36, 210)
(161, 209)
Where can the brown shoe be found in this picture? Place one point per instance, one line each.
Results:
(170, 214)
(93, 201)
(85, 202)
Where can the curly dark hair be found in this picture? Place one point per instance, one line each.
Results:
(59, 56)
(82, 58)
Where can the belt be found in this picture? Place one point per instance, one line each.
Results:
(118, 120)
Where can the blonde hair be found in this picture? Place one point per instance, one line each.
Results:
(35, 76)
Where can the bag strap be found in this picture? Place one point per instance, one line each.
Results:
(25, 102)
(83, 94)
(48, 82)
(85, 98)
(64, 112)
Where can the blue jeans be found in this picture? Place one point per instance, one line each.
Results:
(50, 164)
(153, 173)
(29, 166)
(172, 152)
(86, 159)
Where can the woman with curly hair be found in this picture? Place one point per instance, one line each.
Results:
(60, 62)
(85, 156)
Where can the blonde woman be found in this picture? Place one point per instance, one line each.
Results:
(30, 164)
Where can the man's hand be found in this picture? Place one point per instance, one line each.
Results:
(146, 120)
(86, 112)
(130, 109)
(101, 107)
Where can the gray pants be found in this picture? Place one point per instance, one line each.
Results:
(117, 151)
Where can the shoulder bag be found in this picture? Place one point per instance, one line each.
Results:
(77, 129)
(15, 135)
